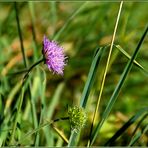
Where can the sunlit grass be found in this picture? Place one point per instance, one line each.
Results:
(34, 110)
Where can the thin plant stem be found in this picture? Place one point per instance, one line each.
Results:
(63, 118)
(118, 87)
(32, 15)
(20, 101)
(25, 63)
(40, 127)
(27, 70)
(138, 125)
(60, 133)
(35, 64)
(32, 100)
(20, 34)
(106, 69)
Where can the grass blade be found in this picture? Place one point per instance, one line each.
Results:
(91, 76)
(32, 14)
(138, 125)
(126, 126)
(129, 57)
(20, 35)
(87, 88)
(60, 133)
(29, 88)
(105, 72)
(118, 88)
(137, 137)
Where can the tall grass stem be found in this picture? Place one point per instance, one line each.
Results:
(106, 68)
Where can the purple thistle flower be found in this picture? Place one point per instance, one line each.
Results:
(54, 56)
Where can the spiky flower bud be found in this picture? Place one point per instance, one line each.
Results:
(77, 117)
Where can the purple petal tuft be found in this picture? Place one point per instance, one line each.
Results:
(54, 56)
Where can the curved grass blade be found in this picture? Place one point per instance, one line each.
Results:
(132, 120)
(29, 87)
(87, 88)
(105, 72)
(138, 136)
(134, 133)
(60, 133)
(91, 76)
(129, 57)
(32, 132)
(139, 123)
(118, 88)
(25, 64)
(48, 123)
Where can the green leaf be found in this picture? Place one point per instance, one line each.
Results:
(87, 88)
(129, 57)
(91, 77)
(138, 135)
(132, 120)
(137, 127)
(117, 89)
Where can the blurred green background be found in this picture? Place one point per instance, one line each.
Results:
(85, 27)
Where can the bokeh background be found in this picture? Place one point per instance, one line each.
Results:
(79, 28)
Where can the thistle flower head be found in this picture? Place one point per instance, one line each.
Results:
(77, 117)
(54, 56)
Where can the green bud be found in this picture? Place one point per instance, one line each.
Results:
(77, 117)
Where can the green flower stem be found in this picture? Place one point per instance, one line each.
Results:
(32, 132)
(39, 128)
(63, 118)
(34, 116)
(33, 108)
(35, 64)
